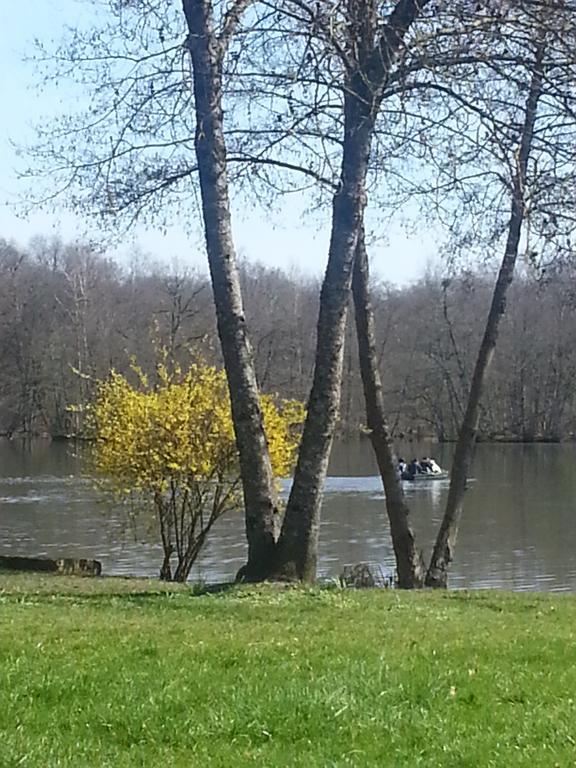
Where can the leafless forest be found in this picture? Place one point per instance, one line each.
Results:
(68, 313)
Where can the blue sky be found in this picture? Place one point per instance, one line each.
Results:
(287, 239)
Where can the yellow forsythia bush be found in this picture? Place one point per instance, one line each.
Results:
(173, 443)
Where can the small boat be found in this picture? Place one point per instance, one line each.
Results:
(421, 477)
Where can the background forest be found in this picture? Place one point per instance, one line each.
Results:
(68, 312)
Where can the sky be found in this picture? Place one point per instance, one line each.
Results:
(286, 239)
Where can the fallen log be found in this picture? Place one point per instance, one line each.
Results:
(68, 566)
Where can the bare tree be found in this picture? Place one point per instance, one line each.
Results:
(408, 561)
(545, 56)
(141, 91)
(442, 555)
(154, 123)
(344, 94)
(369, 52)
(261, 507)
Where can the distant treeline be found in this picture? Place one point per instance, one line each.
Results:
(68, 314)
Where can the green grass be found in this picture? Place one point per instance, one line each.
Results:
(115, 672)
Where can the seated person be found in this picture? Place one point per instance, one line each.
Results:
(431, 466)
(426, 464)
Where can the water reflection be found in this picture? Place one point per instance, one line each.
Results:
(517, 530)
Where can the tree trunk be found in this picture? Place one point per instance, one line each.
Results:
(299, 538)
(376, 48)
(260, 498)
(408, 560)
(437, 575)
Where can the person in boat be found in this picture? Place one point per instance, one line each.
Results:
(429, 465)
(402, 466)
(426, 465)
(414, 468)
(436, 468)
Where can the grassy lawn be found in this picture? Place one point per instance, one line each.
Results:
(114, 673)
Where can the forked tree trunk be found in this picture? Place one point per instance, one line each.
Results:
(437, 575)
(376, 47)
(256, 471)
(408, 560)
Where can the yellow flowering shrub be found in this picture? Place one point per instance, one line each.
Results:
(173, 444)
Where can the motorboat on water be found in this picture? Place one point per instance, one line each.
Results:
(420, 477)
(421, 470)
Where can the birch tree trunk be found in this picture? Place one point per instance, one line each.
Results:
(437, 575)
(408, 560)
(260, 499)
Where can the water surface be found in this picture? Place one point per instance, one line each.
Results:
(518, 530)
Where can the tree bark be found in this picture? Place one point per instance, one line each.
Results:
(375, 47)
(437, 575)
(260, 497)
(299, 539)
(408, 560)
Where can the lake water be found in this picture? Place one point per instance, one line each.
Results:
(518, 530)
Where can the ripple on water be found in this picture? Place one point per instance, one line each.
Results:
(73, 480)
(517, 530)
